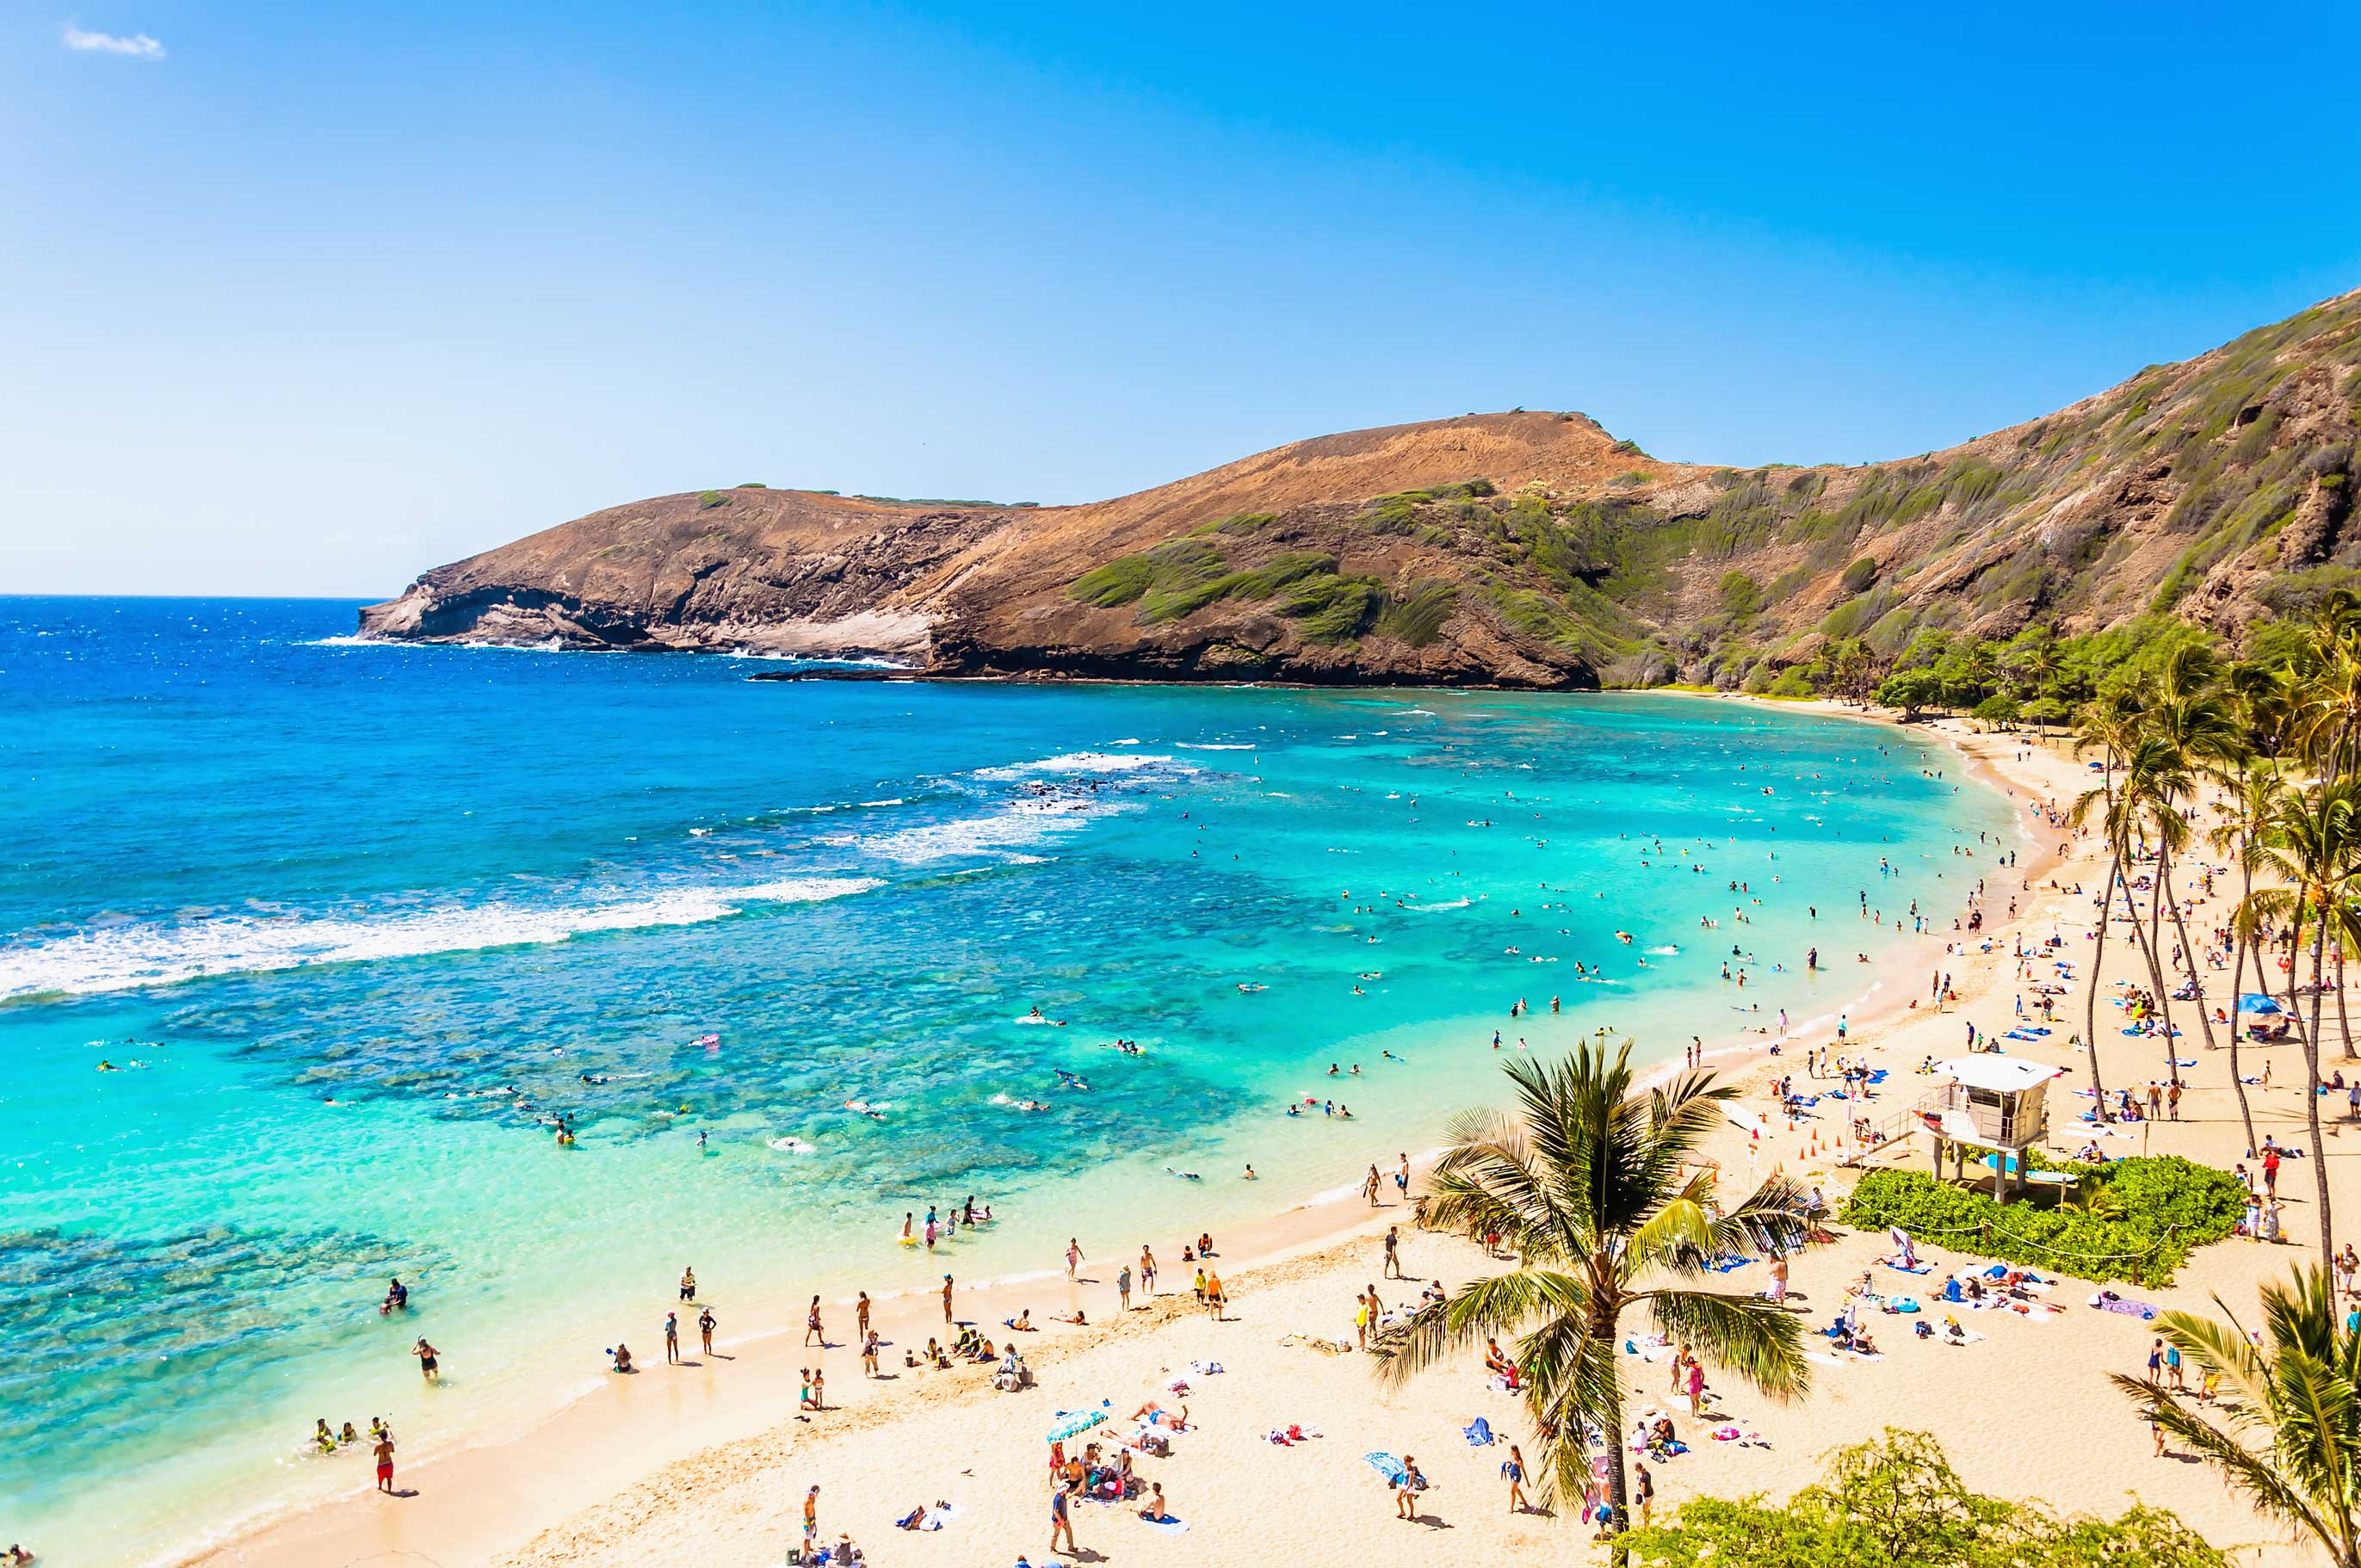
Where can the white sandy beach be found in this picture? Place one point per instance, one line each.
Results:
(707, 1464)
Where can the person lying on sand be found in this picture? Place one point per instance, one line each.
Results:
(1077, 1316)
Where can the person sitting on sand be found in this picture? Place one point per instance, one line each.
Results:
(1022, 1322)
(1156, 1512)
(622, 1355)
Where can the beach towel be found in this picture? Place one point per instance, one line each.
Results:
(1964, 1337)
(1900, 1268)
(2108, 1301)
(1389, 1467)
(1205, 1368)
(1478, 1433)
(1168, 1524)
(1724, 1265)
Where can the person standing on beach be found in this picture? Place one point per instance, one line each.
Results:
(869, 1354)
(384, 1451)
(705, 1326)
(1401, 1177)
(1147, 1272)
(861, 1316)
(1122, 1288)
(1515, 1471)
(1061, 1522)
(812, 1330)
(672, 1339)
(1073, 1255)
(811, 1517)
(1393, 1251)
(947, 1298)
(1214, 1299)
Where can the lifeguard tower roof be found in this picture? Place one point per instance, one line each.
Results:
(2000, 1074)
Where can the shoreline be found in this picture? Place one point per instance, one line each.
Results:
(495, 1492)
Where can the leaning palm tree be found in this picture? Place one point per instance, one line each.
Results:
(2250, 794)
(2289, 1433)
(2311, 844)
(1594, 1186)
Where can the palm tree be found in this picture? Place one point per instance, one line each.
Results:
(2311, 842)
(2198, 740)
(1594, 1186)
(2250, 794)
(2289, 1431)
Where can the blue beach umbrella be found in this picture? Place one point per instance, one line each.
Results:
(2256, 1002)
(1070, 1423)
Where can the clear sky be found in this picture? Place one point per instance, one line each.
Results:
(310, 298)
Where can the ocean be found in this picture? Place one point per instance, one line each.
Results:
(305, 944)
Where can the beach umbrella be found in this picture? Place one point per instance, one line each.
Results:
(2256, 1002)
(1071, 1423)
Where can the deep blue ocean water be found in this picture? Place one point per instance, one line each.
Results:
(350, 925)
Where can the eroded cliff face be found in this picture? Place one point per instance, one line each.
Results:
(1524, 549)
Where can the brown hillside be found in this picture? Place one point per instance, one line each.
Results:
(1524, 548)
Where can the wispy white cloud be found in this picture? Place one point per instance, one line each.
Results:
(138, 45)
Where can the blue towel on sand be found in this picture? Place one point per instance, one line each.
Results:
(1478, 1433)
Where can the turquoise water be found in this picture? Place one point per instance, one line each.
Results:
(354, 922)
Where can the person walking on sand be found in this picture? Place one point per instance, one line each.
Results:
(384, 1451)
(1514, 1469)
(812, 1330)
(1214, 1299)
(1407, 1489)
(1061, 1522)
(672, 1339)
(1073, 1255)
(869, 1354)
(1644, 1491)
(1393, 1251)
(706, 1323)
(861, 1316)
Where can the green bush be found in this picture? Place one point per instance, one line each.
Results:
(1860, 575)
(1741, 594)
(2168, 1207)
(1417, 616)
(707, 500)
(1898, 1500)
(750, 485)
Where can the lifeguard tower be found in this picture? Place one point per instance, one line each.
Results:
(1993, 1103)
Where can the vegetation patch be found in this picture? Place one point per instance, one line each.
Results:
(2136, 1219)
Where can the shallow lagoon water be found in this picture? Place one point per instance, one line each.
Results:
(354, 922)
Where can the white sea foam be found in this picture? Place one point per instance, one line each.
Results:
(123, 958)
(1075, 762)
(350, 639)
(1215, 746)
(1014, 826)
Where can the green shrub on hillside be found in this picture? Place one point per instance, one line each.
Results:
(1859, 576)
(707, 500)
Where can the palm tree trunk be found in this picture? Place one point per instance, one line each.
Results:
(2237, 989)
(2146, 943)
(2091, 997)
(2343, 1023)
(2312, 1103)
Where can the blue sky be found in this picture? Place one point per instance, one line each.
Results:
(307, 300)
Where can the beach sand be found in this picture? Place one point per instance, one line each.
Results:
(708, 1465)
